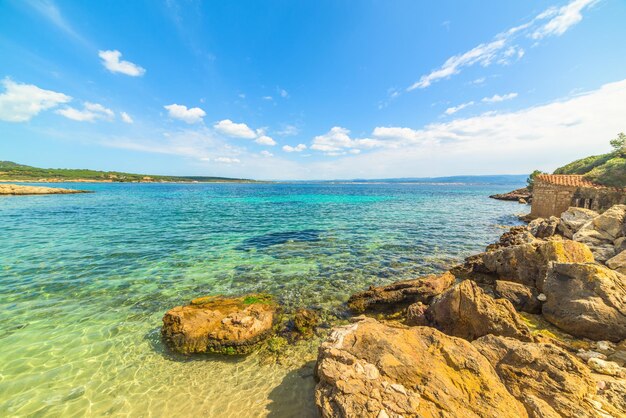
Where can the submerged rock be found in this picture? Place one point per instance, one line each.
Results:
(217, 324)
(305, 321)
(371, 370)
(549, 381)
(466, 311)
(586, 300)
(528, 264)
(398, 295)
(523, 298)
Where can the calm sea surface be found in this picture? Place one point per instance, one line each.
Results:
(85, 280)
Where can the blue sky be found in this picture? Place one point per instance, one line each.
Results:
(311, 90)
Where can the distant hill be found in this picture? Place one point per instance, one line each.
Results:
(13, 171)
(485, 179)
(607, 169)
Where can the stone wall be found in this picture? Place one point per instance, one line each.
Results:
(552, 200)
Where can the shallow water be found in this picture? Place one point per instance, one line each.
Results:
(85, 280)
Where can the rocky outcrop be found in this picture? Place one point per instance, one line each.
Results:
(528, 264)
(12, 189)
(546, 379)
(544, 228)
(514, 196)
(586, 300)
(371, 370)
(229, 325)
(573, 219)
(523, 298)
(399, 295)
(601, 232)
(618, 263)
(466, 311)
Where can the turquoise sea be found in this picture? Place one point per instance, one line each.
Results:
(85, 280)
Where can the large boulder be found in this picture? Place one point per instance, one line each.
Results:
(549, 381)
(522, 297)
(216, 324)
(466, 311)
(516, 235)
(618, 262)
(528, 264)
(371, 370)
(586, 300)
(399, 295)
(601, 232)
(573, 219)
(544, 228)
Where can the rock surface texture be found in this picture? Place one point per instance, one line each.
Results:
(368, 369)
(601, 232)
(549, 381)
(219, 324)
(573, 219)
(466, 311)
(400, 294)
(528, 264)
(586, 300)
(12, 189)
(522, 297)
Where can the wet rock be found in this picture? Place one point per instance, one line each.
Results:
(618, 262)
(229, 325)
(544, 228)
(399, 295)
(586, 300)
(305, 321)
(528, 264)
(368, 369)
(546, 379)
(466, 311)
(573, 219)
(522, 297)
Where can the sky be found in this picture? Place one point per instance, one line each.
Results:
(324, 89)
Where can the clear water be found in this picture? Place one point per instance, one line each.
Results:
(85, 280)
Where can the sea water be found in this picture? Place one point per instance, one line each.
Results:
(85, 280)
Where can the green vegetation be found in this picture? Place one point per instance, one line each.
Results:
(530, 181)
(261, 298)
(13, 171)
(607, 169)
(276, 344)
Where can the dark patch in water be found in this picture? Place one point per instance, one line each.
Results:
(276, 238)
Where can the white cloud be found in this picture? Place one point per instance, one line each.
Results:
(227, 160)
(49, 10)
(337, 141)
(126, 117)
(566, 17)
(89, 113)
(452, 110)
(266, 153)
(235, 130)
(283, 93)
(265, 140)
(297, 148)
(21, 102)
(496, 98)
(181, 112)
(288, 130)
(268, 98)
(111, 61)
(501, 49)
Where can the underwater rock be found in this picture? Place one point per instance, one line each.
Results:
(398, 295)
(466, 311)
(217, 324)
(586, 300)
(305, 321)
(370, 370)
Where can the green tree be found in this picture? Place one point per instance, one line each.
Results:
(531, 179)
(619, 143)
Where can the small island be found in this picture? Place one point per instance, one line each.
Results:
(15, 190)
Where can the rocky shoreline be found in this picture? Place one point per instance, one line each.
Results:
(533, 327)
(523, 195)
(15, 190)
